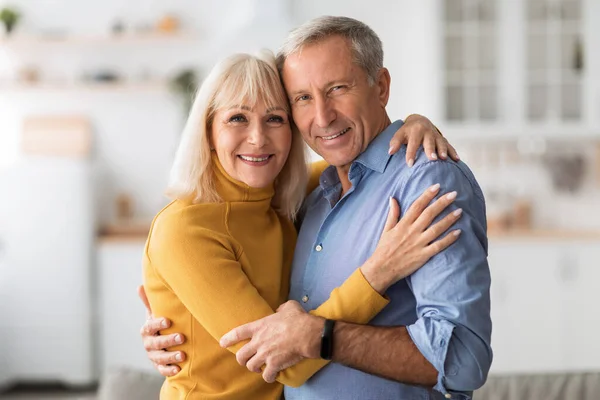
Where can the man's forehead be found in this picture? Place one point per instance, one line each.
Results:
(318, 66)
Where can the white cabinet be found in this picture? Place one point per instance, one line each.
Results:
(121, 312)
(544, 294)
(522, 66)
(525, 308)
(580, 269)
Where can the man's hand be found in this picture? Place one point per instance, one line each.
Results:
(278, 341)
(419, 130)
(155, 344)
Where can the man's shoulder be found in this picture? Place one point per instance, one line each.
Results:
(422, 162)
(429, 172)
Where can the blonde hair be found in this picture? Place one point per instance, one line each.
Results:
(238, 79)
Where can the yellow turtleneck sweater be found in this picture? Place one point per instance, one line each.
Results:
(214, 266)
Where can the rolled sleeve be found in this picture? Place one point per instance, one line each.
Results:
(453, 329)
(432, 338)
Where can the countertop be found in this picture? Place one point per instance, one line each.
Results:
(137, 231)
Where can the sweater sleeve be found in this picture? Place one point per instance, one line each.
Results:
(201, 266)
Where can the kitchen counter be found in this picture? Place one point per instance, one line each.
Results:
(134, 232)
(554, 234)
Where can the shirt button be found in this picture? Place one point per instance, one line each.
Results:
(448, 396)
(304, 298)
(319, 247)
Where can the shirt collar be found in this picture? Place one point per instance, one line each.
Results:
(376, 156)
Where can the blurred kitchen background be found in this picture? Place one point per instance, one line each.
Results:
(93, 96)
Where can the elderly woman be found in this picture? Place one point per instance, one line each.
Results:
(219, 254)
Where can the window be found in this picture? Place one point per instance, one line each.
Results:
(470, 62)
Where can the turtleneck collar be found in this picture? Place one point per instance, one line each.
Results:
(232, 190)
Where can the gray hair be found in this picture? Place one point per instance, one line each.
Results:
(366, 47)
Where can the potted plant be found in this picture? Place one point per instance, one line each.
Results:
(185, 84)
(9, 18)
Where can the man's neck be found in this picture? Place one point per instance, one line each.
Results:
(344, 170)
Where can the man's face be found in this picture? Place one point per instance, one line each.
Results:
(333, 105)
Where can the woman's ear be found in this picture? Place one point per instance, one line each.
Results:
(211, 144)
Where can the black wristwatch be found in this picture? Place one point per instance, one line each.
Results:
(327, 339)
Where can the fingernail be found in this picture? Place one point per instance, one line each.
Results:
(178, 357)
(163, 323)
(456, 232)
(457, 156)
(434, 156)
(435, 187)
(177, 338)
(174, 371)
(457, 212)
(390, 149)
(390, 201)
(444, 155)
(451, 196)
(411, 162)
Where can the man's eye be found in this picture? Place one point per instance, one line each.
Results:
(336, 88)
(237, 118)
(304, 97)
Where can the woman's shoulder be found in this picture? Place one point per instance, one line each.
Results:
(180, 217)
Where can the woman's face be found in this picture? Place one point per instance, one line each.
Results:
(252, 143)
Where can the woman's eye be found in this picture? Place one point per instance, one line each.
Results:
(276, 118)
(237, 118)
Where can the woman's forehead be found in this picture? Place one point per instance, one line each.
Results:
(253, 104)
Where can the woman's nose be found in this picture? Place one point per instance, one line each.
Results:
(257, 135)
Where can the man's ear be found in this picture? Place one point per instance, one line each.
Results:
(384, 81)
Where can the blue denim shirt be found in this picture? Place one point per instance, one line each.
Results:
(445, 305)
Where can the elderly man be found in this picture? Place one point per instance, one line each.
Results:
(433, 339)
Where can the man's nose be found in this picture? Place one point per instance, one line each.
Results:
(324, 113)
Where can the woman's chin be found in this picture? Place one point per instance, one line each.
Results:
(259, 183)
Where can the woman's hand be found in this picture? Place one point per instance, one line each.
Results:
(155, 343)
(417, 130)
(406, 245)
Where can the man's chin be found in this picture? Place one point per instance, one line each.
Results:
(338, 161)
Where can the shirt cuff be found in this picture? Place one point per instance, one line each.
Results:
(432, 338)
(371, 296)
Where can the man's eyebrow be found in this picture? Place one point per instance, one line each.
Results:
(328, 84)
(297, 92)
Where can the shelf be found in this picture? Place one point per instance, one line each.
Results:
(116, 39)
(124, 232)
(499, 131)
(151, 86)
